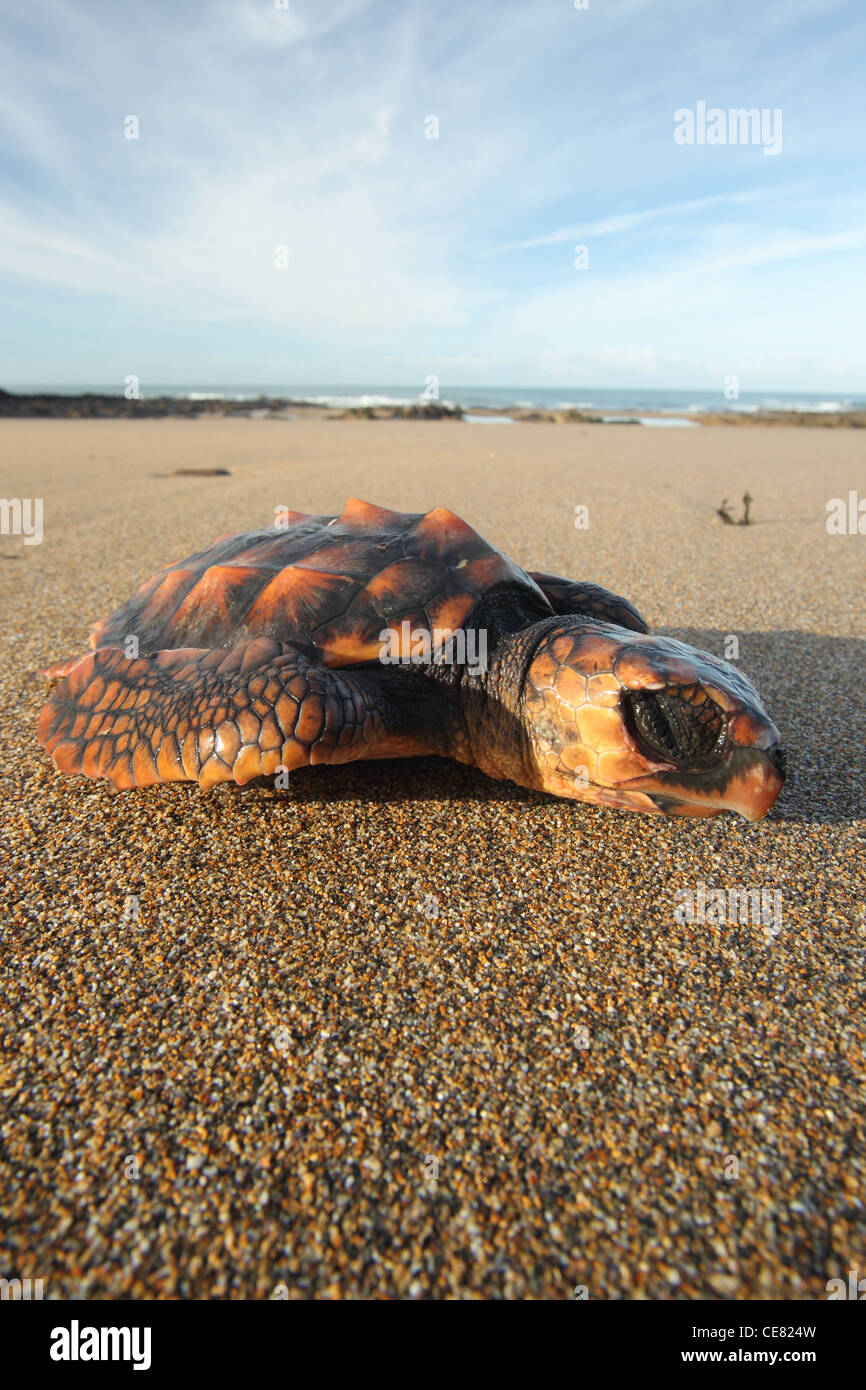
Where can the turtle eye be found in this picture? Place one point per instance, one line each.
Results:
(678, 724)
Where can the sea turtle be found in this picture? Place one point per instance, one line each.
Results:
(379, 634)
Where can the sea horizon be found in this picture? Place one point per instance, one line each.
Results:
(346, 395)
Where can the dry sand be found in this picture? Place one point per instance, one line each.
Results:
(286, 1047)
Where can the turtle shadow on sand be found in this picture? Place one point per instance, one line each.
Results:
(812, 687)
(387, 781)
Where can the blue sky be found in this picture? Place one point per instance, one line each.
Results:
(304, 127)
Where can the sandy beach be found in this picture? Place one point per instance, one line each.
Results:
(404, 1031)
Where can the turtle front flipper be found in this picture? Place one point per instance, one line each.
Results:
(209, 715)
(571, 596)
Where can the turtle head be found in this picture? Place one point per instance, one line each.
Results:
(646, 723)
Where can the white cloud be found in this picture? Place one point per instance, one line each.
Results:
(629, 221)
(372, 147)
(265, 23)
(305, 127)
(783, 246)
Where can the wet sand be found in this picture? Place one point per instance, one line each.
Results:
(404, 1031)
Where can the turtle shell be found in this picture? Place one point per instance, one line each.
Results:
(330, 582)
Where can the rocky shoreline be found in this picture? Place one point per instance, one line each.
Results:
(89, 406)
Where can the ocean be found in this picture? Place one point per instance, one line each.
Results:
(625, 398)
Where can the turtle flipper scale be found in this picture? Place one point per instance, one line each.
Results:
(207, 715)
(572, 596)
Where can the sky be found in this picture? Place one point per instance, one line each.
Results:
(285, 218)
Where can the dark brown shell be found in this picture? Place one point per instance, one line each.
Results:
(333, 583)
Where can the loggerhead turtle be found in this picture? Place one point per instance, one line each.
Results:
(325, 639)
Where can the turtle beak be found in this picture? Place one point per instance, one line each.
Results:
(748, 781)
(757, 765)
(756, 782)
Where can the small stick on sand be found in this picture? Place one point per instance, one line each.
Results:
(201, 473)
